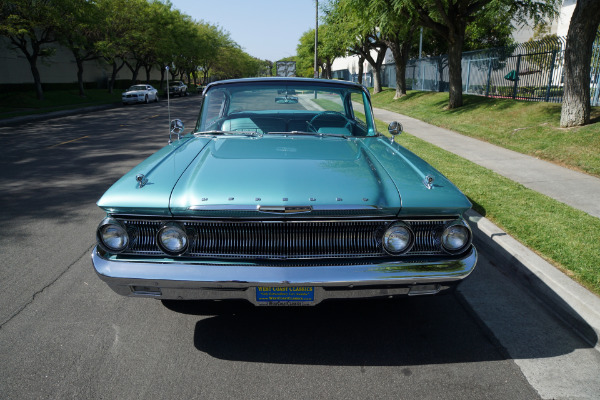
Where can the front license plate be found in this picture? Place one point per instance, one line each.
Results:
(285, 296)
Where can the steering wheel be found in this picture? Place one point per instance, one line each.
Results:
(330, 113)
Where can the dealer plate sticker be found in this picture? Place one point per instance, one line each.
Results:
(285, 294)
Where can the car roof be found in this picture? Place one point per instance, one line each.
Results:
(290, 80)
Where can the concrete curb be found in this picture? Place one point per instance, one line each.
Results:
(574, 304)
(55, 114)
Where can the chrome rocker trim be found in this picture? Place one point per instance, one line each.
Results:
(198, 281)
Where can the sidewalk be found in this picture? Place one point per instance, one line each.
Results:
(576, 189)
(570, 301)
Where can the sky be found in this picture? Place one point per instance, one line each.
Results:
(266, 29)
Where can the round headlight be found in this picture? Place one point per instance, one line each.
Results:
(172, 239)
(112, 235)
(398, 238)
(455, 238)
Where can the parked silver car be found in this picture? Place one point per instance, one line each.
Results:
(178, 88)
(142, 93)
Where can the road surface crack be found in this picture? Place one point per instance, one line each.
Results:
(16, 313)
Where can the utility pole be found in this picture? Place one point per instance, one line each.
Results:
(316, 36)
(421, 43)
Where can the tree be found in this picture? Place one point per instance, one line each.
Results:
(30, 26)
(139, 40)
(167, 22)
(450, 18)
(117, 21)
(396, 28)
(79, 31)
(233, 62)
(218, 39)
(356, 30)
(578, 53)
(328, 49)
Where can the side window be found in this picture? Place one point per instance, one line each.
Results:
(359, 109)
(212, 110)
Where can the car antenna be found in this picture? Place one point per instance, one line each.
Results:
(168, 99)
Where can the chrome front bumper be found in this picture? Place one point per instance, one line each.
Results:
(199, 280)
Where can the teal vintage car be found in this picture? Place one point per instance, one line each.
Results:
(284, 193)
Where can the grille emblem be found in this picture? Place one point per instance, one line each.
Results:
(285, 209)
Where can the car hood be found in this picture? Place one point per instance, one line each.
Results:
(289, 176)
(328, 175)
(135, 92)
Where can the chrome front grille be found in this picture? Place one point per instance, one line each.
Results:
(285, 239)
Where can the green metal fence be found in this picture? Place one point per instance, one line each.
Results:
(527, 71)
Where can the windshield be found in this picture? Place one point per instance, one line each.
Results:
(286, 107)
(137, 87)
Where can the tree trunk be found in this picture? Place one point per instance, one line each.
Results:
(135, 70)
(162, 76)
(377, 87)
(134, 76)
(361, 69)
(79, 62)
(400, 77)
(21, 42)
(32, 59)
(441, 65)
(36, 77)
(148, 69)
(400, 48)
(328, 68)
(377, 79)
(455, 46)
(113, 77)
(578, 53)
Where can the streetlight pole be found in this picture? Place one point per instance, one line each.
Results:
(421, 43)
(316, 36)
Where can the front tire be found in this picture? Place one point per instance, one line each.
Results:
(146, 99)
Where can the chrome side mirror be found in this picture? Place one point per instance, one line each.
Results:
(176, 129)
(394, 128)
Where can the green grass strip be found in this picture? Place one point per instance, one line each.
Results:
(566, 237)
(14, 104)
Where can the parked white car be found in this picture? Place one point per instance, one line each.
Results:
(140, 94)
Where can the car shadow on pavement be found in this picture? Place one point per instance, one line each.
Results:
(406, 331)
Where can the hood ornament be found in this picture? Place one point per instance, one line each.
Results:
(141, 180)
(428, 181)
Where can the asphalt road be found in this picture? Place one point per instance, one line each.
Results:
(65, 334)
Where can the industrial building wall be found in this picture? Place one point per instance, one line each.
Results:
(59, 68)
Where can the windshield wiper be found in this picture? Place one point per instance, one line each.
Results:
(317, 134)
(217, 132)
